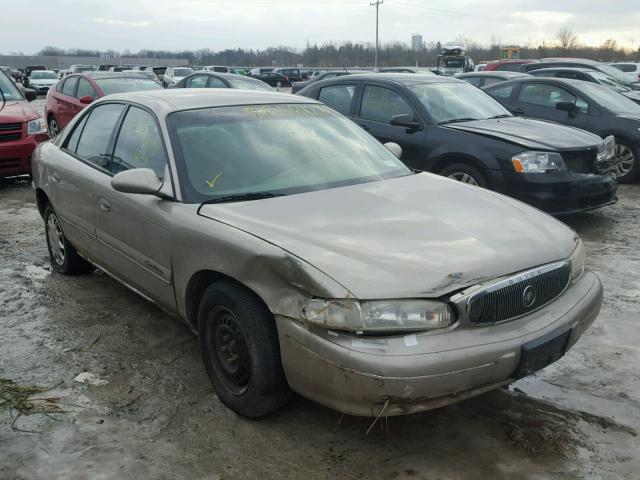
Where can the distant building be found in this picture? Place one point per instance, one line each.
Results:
(416, 42)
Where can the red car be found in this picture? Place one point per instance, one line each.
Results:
(21, 128)
(74, 92)
(506, 65)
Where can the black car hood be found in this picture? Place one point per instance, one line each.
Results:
(529, 133)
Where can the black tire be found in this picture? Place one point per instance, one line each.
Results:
(240, 350)
(53, 127)
(626, 175)
(63, 256)
(460, 172)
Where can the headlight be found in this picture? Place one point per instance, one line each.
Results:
(538, 162)
(36, 126)
(577, 260)
(606, 149)
(379, 316)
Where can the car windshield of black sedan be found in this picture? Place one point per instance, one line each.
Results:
(123, 85)
(457, 101)
(613, 101)
(279, 149)
(609, 81)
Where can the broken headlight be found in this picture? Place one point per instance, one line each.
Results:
(606, 149)
(538, 162)
(577, 260)
(379, 316)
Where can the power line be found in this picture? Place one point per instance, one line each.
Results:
(377, 4)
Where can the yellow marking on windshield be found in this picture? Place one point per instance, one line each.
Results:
(212, 182)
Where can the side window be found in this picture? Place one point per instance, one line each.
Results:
(492, 81)
(571, 75)
(380, 104)
(475, 81)
(94, 139)
(60, 86)
(72, 143)
(85, 89)
(69, 87)
(139, 144)
(501, 93)
(338, 97)
(215, 82)
(197, 81)
(549, 95)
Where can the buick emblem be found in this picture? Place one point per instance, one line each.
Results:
(529, 296)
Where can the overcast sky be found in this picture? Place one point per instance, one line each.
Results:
(29, 25)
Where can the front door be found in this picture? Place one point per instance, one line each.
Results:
(377, 106)
(134, 231)
(539, 100)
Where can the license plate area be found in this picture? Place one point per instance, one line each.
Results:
(543, 351)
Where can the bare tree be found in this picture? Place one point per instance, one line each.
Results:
(567, 40)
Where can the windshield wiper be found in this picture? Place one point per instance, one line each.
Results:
(242, 197)
(457, 120)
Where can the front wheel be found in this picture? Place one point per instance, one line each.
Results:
(466, 174)
(628, 166)
(63, 256)
(54, 129)
(240, 350)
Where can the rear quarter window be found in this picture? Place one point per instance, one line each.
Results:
(501, 93)
(338, 97)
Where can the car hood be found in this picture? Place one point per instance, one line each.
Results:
(416, 236)
(17, 111)
(531, 134)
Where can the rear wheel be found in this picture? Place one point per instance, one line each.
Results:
(54, 129)
(63, 256)
(240, 350)
(465, 173)
(627, 155)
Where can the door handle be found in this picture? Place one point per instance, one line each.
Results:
(55, 178)
(104, 205)
(365, 127)
(517, 111)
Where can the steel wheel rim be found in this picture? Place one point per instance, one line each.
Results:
(229, 350)
(53, 127)
(464, 178)
(626, 160)
(56, 240)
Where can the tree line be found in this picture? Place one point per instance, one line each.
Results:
(352, 54)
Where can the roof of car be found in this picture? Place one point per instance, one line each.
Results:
(568, 59)
(229, 76)
(571, 69)
(493, 73)
(102, 74)
(189, 99)
(532, 79)
(403, 78)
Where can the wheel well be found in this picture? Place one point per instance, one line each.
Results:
(41, 200)
(196, 286)
(458, 158)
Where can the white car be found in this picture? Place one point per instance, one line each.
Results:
(630, 69)
(217, 68)
(480, 67)
(42, 80)
(174, 74)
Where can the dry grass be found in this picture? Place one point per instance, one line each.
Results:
(23, 400)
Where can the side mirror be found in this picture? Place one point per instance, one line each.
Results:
(30, 94)
(394, 148)
(568, 107)
(86, 100)
(143, 181)
(406, 120)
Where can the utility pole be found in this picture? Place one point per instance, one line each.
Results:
(376, 4)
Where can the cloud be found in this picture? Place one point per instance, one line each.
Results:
(120, 23)
(543, 18)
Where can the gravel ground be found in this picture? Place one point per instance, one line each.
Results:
(158, 418)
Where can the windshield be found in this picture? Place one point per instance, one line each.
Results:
(281, 149)
(609, 81)
(84, 69)
(9, 89)
(182, 72)
(454, 62)
(122, 85)
(611, 100)
(249, 85)
(44, 74)
(447, 102)
(615, 73)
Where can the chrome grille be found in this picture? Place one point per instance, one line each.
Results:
(518, 295)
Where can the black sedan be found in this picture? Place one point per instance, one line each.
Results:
(274, 79)
(297, 86)
(589, 75)
(484, 79)
(449, 127)
(579, 63)
(589, 106)
(203, 79)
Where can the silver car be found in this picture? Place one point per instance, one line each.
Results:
(306, 256)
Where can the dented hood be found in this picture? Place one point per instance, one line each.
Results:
(415, 236)
(531, 134)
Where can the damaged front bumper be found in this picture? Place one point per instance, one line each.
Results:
(401, 374)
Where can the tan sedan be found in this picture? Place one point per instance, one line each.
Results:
(306, 256)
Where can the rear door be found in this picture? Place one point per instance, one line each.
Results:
(376, 106)
(133, 231)
(67, 104)
(75, 171)
(197, 81)
(539, 100)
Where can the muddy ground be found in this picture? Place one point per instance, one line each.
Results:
(158, 418)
